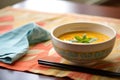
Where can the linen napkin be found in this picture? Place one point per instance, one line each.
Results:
(15, 43)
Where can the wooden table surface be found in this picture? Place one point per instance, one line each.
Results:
(54, 6)
(60, 6)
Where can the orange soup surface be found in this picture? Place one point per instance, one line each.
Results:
(84, 36)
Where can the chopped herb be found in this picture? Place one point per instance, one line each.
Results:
(83, 39)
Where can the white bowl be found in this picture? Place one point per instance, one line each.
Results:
(83, 53)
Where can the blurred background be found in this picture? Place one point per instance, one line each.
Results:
(113, 3)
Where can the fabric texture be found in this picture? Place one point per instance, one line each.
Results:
(15, 43)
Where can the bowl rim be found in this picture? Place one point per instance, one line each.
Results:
(114, 36)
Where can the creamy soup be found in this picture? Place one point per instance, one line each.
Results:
(84, 37)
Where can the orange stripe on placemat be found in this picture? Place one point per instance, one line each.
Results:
(5, 25)
(41, 23)
(118, 35)
(5, 28)
(6, 18)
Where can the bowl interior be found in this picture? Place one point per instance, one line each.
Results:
(84, 27)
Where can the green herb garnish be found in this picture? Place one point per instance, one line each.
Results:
(83, 39)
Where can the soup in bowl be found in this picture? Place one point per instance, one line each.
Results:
(83, 42)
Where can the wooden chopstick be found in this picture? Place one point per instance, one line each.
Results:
(80, 69)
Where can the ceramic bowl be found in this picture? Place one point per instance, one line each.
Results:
(83, 53)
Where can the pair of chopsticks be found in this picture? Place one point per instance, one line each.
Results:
(80, 69)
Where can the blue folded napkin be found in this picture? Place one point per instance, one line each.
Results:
(15, 43)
